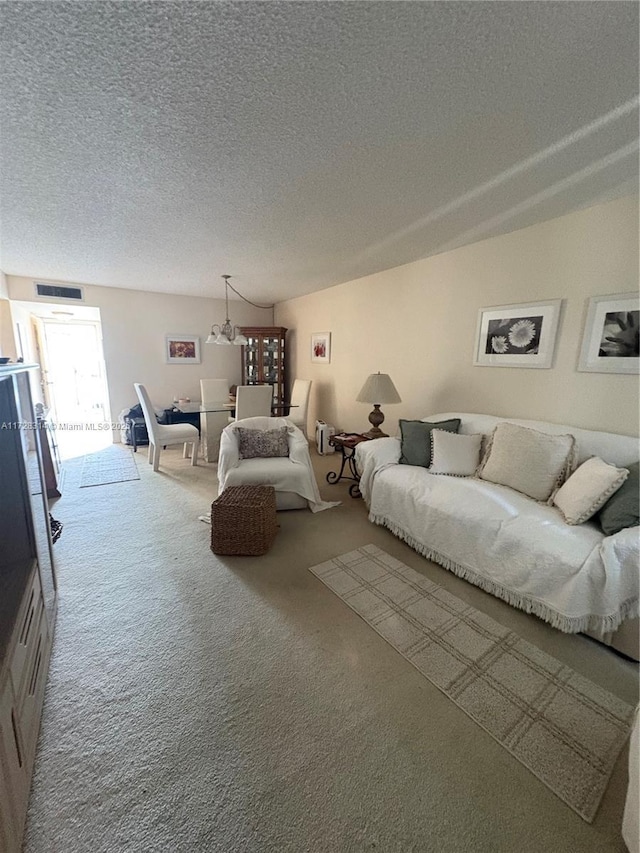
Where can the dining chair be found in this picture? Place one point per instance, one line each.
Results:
(214, 392)
(300, 398)
(163, 435)
(253, 401)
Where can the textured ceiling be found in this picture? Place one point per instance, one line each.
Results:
(298, 145)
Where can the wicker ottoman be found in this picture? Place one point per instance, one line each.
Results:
(243, 520)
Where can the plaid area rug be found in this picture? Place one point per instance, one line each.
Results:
(114, 464)
(562, 727)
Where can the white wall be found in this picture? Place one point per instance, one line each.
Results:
(7, 343)
(134, 325)
(417, 323)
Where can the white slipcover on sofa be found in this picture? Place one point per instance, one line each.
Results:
(572, 576)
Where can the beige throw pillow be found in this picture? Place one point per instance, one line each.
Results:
(532, 462)
(454, 453)
(587, 489)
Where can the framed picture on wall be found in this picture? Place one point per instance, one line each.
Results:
(182, 349)
(321, 347)
(610, 339)
(517, 335)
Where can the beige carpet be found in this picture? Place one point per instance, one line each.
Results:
(114, 464)
(200, 704)
(563, 727)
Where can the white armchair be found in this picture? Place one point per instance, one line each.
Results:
(292, 476)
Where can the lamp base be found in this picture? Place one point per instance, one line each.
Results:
(374, 432)
(376, 417)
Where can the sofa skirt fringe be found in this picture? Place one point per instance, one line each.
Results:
(567, 624)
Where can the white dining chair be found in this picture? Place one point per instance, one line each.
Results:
(163, 435)
(253, 401)
(300, 398)
(213, 392)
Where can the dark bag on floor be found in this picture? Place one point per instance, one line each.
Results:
(56, 528)
(128, 418)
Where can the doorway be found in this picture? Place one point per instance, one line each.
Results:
(74, 383)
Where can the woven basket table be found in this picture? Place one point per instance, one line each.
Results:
(243, 521)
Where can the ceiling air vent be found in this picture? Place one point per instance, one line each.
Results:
(58, 291)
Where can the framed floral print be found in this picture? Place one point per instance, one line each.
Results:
(517, 335)
(182, 349)
(610, 341)
(321, 347)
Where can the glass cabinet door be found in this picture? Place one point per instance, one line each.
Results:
(251, 354)
(263, 358)
(270, 366)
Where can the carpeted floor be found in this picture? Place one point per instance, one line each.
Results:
(113, 464)
(198, 704)
(562, 726)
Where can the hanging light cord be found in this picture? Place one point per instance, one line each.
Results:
(255, 305)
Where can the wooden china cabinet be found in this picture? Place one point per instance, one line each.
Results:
(263, 358)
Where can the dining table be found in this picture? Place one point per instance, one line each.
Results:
(192, 412)
(197, 407)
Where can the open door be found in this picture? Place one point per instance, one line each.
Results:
(74, 383)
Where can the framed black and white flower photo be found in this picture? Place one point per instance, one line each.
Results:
(610, 341)
(517, 335)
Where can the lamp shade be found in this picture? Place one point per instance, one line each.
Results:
(378, 389)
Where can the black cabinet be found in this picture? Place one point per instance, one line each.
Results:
(174, 416)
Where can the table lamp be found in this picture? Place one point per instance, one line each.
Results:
(378, 389)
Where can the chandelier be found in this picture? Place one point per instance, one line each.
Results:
(226, 333)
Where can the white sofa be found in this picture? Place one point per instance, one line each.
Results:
(572, 576)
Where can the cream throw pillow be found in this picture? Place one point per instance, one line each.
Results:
(587, 489)
(532, 462)
(454, 453)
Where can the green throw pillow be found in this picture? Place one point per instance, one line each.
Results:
(623, 507)
(415, 444)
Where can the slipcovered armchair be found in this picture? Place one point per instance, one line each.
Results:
(291, 475)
